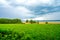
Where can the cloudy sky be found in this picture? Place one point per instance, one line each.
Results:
(30, 9)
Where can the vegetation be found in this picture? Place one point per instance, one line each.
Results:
(17, 21)
(46, 22)
(31, 21)
(9, 21)
(9, 35)
(27, 21)
(29, 31)
(13, 29)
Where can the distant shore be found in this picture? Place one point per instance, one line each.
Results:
(49, 23)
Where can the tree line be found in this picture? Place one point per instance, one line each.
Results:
(17, 21)
(32, 21)
(9, 21)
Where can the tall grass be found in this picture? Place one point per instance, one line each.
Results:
(30, 31)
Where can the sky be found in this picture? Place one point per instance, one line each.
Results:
(30, 9)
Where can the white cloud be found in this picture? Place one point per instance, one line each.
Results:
(32, 2)
(39, 18)
(51, 16)
(4, 3)
(44, 10)
(19, 11)
(49, 2)
(20, 1)
(22, 11)
(24, 2)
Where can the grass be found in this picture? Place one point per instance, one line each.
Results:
(30, 31)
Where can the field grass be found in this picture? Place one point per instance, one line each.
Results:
(30, 31)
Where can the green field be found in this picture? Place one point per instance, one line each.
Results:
(30, 31)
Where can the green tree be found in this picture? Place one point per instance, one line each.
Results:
(46, 22)
(32, 21)
(16, 21)
(9, 21)
(27, 21)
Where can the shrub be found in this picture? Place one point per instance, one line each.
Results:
(9, 35)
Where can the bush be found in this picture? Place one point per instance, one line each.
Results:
(46, 22)
(9, 35)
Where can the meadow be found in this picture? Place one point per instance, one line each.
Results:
(29, 31)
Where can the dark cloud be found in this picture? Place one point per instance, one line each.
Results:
(41, 10)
